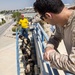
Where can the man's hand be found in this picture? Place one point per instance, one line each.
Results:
(47, 52)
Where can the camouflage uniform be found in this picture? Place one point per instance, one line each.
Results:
(67, 33)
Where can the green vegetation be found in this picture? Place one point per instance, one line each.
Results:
(0, 23)
(15, 27)
(3, 21)
(16, 16)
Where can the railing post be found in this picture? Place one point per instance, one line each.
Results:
(17, 53)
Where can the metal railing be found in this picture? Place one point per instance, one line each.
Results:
(39, 38)
(17, 52)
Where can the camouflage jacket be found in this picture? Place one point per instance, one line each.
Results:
(67, 33)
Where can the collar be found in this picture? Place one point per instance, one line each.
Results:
(70, 19)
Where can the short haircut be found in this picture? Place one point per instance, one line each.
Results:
(43, 6)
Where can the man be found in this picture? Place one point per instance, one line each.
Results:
(24, 25)
(55, 13)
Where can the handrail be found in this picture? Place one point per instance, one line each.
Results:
(43, 32)
(17, 53)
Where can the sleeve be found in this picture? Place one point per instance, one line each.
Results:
(19, 22)
(27, 21)
(55, 39)
(65, 62)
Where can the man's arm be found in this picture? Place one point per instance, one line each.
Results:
(19, 22)
(55, 39)
(61, 61)
(27, 22)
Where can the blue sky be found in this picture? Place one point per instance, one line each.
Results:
(67, 1)
(20, 4)
(15, 4)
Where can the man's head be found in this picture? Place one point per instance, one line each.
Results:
(22, 16)
(46, 7)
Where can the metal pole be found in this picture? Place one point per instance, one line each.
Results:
(17, 53)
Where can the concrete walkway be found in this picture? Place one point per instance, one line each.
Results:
(8, 53)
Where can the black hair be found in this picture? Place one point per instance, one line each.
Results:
(43, 6)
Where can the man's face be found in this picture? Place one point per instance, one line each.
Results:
(22, 16)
